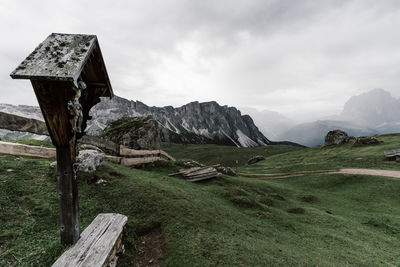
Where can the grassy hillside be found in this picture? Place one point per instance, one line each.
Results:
(225, 155)
(315, 219)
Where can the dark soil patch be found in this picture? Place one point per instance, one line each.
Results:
(309, 199)
(296, 211)
(268, 202)
(117, 175)
(150, 249)
(278, 197)
(245, 202)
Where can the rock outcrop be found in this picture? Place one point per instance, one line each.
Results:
(366, 140)
(192, 123)
(336, 137)
(141, 133)
(255, 159)
(17, 123)
(88, 160)
(195, 123)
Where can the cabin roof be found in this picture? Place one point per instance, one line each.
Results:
(60, 57)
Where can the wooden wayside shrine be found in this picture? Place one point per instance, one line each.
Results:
(68, 76)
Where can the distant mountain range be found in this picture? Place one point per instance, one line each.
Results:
(192, 123)
(373, 112)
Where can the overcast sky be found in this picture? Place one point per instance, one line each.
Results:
(303, 59)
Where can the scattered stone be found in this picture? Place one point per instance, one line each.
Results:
(226, 170)
(255, 159)
(366, 140)
(336, 137)
(141, 133)
(101, 182)
(19, 159)
(53, 165)
(296, 211)
(89, 160)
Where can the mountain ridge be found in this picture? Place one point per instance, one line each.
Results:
(195, 122)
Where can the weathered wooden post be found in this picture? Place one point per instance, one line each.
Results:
(68, 75)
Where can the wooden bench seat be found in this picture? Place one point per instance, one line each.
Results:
(98, 243)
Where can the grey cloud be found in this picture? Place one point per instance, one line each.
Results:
(264, 54)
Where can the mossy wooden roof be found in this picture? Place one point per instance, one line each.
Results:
(62, 57)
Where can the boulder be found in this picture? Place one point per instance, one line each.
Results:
(88, 160)
(366, 140)
(255, 159)
(336, 137)
(141, 133)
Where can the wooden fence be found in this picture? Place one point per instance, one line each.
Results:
(128, 157)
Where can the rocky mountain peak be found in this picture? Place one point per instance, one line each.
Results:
(372, 108)
(195, 122)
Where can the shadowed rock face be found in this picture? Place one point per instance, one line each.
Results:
(192, 123)
(18, 123)
(336, 137)
(134, 132)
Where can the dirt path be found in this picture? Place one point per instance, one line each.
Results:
(387, 173)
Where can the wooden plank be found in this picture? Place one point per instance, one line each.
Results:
(102, 143)
(124, 151)
(162, 152)
(199, 171)
(202, 175)
(201, 178)
(137, 161)
(392, 153)
(25, 150)
(113, 159)
(97, 243)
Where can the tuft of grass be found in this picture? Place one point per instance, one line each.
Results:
(32, 142)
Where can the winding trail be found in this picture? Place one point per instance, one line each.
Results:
(387, 173)
(374, 172)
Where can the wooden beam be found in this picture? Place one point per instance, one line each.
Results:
(25, 150)
(67, 194)
(98, 244)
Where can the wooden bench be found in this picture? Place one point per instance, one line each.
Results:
(98, 243)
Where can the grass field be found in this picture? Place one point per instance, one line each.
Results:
(311, 220)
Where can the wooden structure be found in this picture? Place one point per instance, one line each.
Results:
(98, 245)
(198, 173)
(139, 156)
(15, 149)
(393, 154)
(68, 76)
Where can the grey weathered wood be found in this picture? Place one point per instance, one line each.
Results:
(137, 161)
(68, 76)
(25, 150)
(392, 153)
(198, 173)
(60, 57)
(97, 243)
